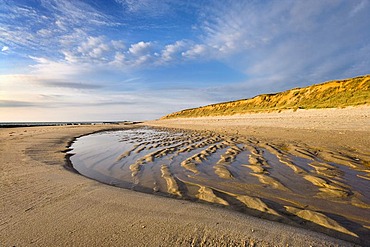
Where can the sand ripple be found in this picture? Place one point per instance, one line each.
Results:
(288, 183)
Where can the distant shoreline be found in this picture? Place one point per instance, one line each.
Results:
(40, 124)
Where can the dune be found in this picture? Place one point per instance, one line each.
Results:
(332, 94)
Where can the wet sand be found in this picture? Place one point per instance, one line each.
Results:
(325, 190)
(44, 204)
(308, 163)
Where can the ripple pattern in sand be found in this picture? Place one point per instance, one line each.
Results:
(293, 183)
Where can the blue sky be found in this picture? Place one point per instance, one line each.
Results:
(64, 60)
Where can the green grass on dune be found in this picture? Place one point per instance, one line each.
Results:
(332, 94)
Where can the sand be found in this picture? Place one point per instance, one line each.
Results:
(259, 178)
(44, 204)
(336, 128)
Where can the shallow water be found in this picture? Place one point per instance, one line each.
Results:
(292, 184)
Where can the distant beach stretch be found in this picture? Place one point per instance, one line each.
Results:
(324, 191)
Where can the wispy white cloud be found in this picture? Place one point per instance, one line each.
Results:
(60, 24)
(19, 36)
(196, 51)
(48, 30)
(53, 100)
(100, 51)
(119, 59)
(140, 48)
(361, 6)
(5, 48)
(295, 41)
(74, 13)
(172, 52)
(118, 44)
(45, 33)
(94, 47)
(148, 7)
(44, 69)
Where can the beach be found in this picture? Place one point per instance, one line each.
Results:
(335, 127)
(43, 202)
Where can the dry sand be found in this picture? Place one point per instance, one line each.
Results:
(336, 128)
(43, 204)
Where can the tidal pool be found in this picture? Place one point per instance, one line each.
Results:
(295, 184)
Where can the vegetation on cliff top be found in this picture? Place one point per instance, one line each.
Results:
(332, 94)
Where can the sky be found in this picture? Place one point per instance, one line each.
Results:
(113, 60)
